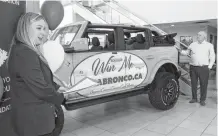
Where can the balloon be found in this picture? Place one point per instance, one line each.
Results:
(53, 11)
(54, 54)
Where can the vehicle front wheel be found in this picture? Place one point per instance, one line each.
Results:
(59, 120)
(164, 91)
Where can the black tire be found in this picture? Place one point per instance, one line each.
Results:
(164, 91)
(59, 120)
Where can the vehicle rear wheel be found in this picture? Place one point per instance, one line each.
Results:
(59, 120)
(164, 91)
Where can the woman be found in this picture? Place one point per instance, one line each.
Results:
(34, 91)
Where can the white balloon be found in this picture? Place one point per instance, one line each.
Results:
(54, 54)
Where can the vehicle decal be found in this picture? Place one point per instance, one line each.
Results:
(107, 72)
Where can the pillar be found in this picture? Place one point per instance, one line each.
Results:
(33, 6)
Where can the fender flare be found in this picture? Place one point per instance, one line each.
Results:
(161, 63)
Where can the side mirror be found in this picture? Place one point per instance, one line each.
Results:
(80, 44)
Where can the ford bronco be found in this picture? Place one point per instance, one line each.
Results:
(104, 62)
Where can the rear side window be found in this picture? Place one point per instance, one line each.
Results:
(136, 39)
(100, 39)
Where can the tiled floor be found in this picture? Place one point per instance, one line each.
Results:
(135, 116)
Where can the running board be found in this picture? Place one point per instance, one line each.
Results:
(103, 99)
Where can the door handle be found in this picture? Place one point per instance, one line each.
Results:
(114, 52)
(150, 57)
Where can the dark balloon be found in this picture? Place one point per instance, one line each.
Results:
(53, 11)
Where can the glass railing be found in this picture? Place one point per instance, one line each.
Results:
(93, 10)
(105, 12)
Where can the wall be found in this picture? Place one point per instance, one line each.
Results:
(33, 6)
(185, 30)
(211, 31)
(192, 30)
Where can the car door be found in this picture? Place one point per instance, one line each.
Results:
(97, 73)
(64, 36)
(139, 62)
(139, 67)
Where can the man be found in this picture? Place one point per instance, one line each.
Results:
(202, 59)
(128, 38)
(129, 41)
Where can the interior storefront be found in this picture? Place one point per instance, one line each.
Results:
(129, 116)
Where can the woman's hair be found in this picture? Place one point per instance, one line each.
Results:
(22, 32)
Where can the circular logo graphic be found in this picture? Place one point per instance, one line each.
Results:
(107, 72)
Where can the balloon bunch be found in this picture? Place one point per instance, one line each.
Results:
(53, 12)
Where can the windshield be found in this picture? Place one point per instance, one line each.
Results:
(66, 35)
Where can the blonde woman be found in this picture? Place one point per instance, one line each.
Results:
(34, 93)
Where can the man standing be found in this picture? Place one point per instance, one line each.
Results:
(202, 59)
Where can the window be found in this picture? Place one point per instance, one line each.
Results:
(66, 35)
(100, 39)
(135, 39)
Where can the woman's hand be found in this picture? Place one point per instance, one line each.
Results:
(66, 96)
(62, 89)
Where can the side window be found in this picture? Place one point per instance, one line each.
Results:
(163, 40)
(136, 39)
(66, 35)
(100, 39)
(97, 40)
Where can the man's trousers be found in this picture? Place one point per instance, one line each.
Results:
(201, 73)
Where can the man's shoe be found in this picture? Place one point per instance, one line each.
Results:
(202, 103)
(193, 101)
